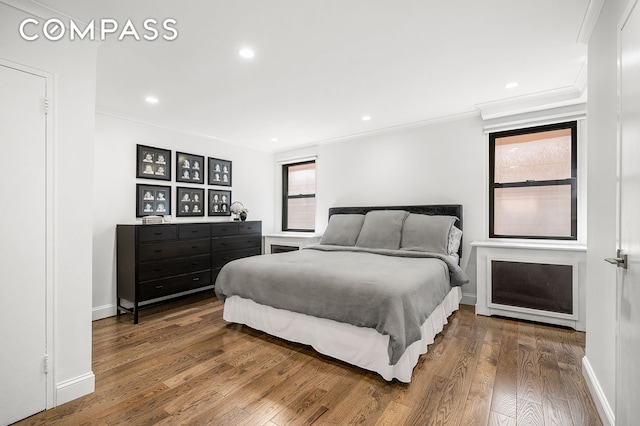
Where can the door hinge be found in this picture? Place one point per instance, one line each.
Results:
(46, 105)
(46, 364)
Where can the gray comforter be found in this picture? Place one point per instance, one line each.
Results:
(392, 291)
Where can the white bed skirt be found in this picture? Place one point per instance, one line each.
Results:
(364, 347)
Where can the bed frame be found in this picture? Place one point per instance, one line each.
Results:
(359, 346)
(430, 209)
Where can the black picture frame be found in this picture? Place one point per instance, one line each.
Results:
(189, 168)
(219, 202)
(189, 202)
(153, 200)
(153, 163)
(219, 172)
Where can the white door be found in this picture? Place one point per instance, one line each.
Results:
(628, 285)
(22, 244)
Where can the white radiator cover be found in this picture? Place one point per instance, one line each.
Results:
(573, 255)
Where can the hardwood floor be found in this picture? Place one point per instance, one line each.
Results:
(183, 364)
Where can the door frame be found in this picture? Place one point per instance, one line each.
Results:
(49, 225)
(624, 18)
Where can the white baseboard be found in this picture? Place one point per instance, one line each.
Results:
(75, 388)
(105, 311)
(602, 404)
(468, 299)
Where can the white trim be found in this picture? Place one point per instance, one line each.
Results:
(541, 101)
(550, 116)
(71, 389)
(295, 160)
(589, 21)
(528, 245)
(468, 299)
(415, 124)
(607, 415)
(104, 311)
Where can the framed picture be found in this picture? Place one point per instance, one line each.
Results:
(153, 163)
(219, 202)
(153, 200)
(189, 168)
(219, 172)
(190, 202)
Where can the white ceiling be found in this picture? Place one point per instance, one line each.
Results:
(321, 65)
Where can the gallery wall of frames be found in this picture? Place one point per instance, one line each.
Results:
(191, 171)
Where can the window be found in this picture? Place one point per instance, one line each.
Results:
(532, 183)
(299, 196)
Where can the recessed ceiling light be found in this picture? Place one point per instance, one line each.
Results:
(151, 99)
(247, 53)
(366, 118)
(511, 85)
(274, 139)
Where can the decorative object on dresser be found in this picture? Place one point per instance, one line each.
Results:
(153, 163)
(157, 262)
(153, 200)
(219, 172)
(189, 168)
(219, 202)
(190, 202)
(239, 211)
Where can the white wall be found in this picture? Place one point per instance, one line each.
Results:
(439, 163)
(601, 210)
(115, 188)
(74, 68)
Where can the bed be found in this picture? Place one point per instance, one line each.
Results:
(374, 293)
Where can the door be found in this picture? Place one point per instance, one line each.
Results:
(628, 280)
(23, 220)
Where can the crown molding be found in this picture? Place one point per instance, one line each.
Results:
(589, 21)
(540, 101)
(39, 10)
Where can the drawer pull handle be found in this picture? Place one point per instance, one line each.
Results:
(157, 269)
(159, 286)
(194, 247)
(157, 233)
(194, 232)
(196, 279)
(195, 263)
(157, 251)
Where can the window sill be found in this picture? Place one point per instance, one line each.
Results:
(529, 245)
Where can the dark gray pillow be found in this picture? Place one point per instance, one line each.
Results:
(422, 232)
(343, 229)
(382, 229)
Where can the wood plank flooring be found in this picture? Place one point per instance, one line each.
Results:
(183, 364)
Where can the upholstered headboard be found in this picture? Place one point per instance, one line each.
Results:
(430, 209)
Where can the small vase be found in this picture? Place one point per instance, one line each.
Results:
(243, 216)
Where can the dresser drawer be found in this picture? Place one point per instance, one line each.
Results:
(159, 288)
(236, 242)
(169, 267)
(224, 229)
(225, 257)
(250, 228)
(156, 233)
(184, 248)
(194, 231)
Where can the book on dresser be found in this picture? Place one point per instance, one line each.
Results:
(158, 262)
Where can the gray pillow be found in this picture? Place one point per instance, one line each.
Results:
(382, 229)
(427, 233)
(343, 229)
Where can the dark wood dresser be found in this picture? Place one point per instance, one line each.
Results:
(165, 261)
